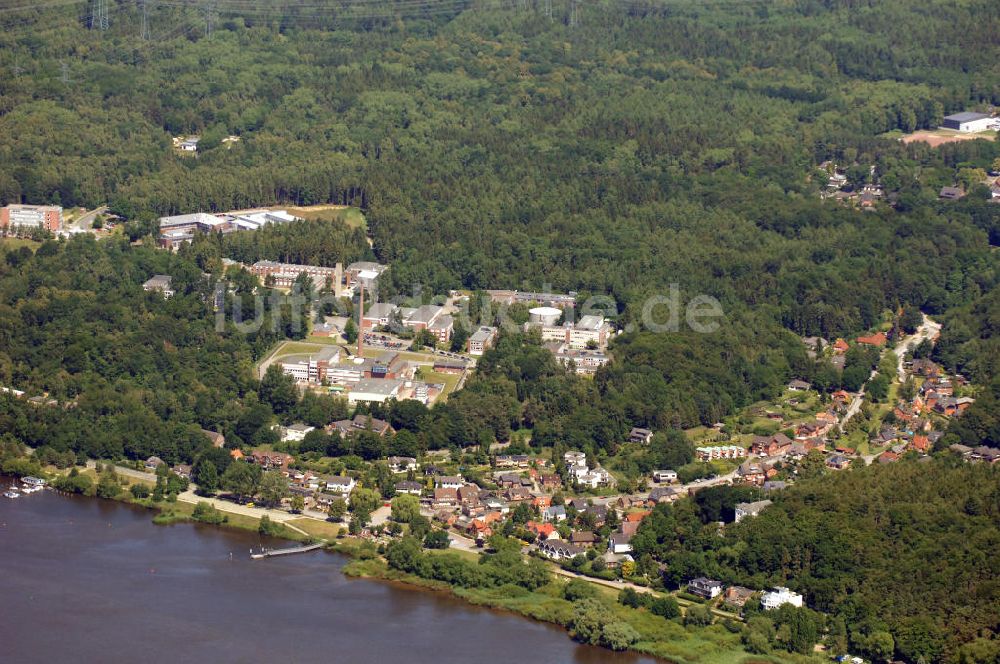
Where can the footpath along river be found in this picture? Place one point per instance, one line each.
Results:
(87, 580)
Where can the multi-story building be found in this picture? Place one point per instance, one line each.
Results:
(428, 317)
(48, 217)
(314, 368)
(591, 330)
(775, 598)
(556, 300)
(161, 283)
(481, 339)
(178, 229)
(583, 361)
(283, 275)
(720, 452)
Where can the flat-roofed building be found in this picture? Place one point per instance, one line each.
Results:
(283, 275)
(969, 121)
(484, 337)
(47, 217)
(374, 390)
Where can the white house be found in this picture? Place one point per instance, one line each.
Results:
(743, 510)
(620, 542)
(341, 485)
(775, 598)
(446, 482)
(295, 433)
(557, 549)
(665, 476)
(402, 464)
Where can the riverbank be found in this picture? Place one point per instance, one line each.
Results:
(658, 637)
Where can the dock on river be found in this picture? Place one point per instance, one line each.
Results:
(270, 553)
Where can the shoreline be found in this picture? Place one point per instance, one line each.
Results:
(367, 564)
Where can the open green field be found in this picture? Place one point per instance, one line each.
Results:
(351, 216)
(316, 528)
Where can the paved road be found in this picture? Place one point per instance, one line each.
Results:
(86, 220)
(128, 472)
(927, 330)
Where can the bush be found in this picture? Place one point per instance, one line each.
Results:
(578, 589)
(618, 636)
(665, 607)
(206, 513)
(139, 491)
(437, 539)
(698, 616)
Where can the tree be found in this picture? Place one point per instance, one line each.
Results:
(437, 539)
(364, 500)
(139, 491)
(242, 479)
(618, 636)
(578, 589)
(587, 622)
(698, 615)
(405, 507)
(337, 509)
(665, 607)
(298, 504)
(207, 478)
(350, 331)
(278, 389)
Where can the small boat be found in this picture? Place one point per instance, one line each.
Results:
(11, 493)
(33, 481)
(31, 489)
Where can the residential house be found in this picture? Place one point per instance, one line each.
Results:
(668, 476)
(878, 339)
(737, 596)
(583, 538)
(555, 513)
(743, 510)
(750, 472)
(780, 595)
(799, 386)
(550, 482)
(402, 464)
(512, 461)
(217, 439)
(559, 550)
(639, 435)
(340, 485)
(412, 488)
(620, 542)
(448, 482)
(542, 531)
(702, 587)
(664, 494)
(160, 283)
(768, 446)
(270, 460)
(295, 432)
(445, 497)
(153, 462)
(720, 452)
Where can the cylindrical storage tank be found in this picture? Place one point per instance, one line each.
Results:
(545, 315)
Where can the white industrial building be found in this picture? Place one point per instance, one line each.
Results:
(374, 390)
(969, 122)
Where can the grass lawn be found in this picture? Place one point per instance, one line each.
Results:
(450, 380)
(12, 243)
(316, 528)
(351, 216)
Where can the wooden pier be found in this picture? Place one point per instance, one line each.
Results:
(270, 553)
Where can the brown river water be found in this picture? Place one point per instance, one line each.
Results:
(87, 580)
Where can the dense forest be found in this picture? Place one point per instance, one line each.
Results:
(901, 557)
(611, 149)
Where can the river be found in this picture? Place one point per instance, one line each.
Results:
(88, 580)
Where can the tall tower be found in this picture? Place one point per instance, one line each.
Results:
(99, 15)
(361, 319)
(144, 18)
